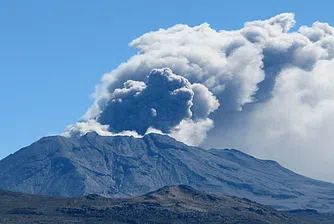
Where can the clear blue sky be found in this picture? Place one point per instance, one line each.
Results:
(52, 53)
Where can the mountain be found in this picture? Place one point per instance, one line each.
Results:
(173, 204)
(123, 166)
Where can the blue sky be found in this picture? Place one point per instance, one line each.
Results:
(53, 53)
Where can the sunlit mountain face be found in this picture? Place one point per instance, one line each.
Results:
(125, 166)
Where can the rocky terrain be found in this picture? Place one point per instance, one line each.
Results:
(122, 166)
(174, 204)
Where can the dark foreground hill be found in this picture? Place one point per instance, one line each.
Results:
(174, 204)
(124, 166)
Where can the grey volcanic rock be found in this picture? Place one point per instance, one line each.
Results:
(172, 204)
(123, 166)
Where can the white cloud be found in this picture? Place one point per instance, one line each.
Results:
(296, 125)
(192, 132)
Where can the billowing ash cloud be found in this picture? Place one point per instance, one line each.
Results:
(263, 89)
(161, 102)
(164, 102)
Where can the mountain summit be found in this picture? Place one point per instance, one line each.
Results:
(123, 166)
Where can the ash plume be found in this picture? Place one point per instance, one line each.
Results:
(263, 88)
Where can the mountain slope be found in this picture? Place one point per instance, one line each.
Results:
(122, 166)
(174, 204)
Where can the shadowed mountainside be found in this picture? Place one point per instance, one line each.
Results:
(123, 166)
